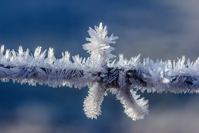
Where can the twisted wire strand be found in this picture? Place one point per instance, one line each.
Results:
(101, 73)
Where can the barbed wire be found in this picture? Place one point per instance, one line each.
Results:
(101, 73)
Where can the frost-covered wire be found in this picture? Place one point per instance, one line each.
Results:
(101, 73)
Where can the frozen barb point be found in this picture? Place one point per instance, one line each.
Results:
(93, 101)
(101, 74)
(99, 45)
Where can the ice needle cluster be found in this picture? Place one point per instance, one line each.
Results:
(101, 73)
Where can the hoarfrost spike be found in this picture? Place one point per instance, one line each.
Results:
(93, 100)
(101, 73)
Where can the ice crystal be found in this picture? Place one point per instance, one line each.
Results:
(101, 73)
(99, 46)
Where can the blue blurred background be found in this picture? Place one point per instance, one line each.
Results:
(164, 29)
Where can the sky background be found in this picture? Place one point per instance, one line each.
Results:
(166, 29)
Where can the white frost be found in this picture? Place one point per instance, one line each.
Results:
(101, 73)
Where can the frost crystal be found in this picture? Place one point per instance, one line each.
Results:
(101, 74)
(99, 46)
